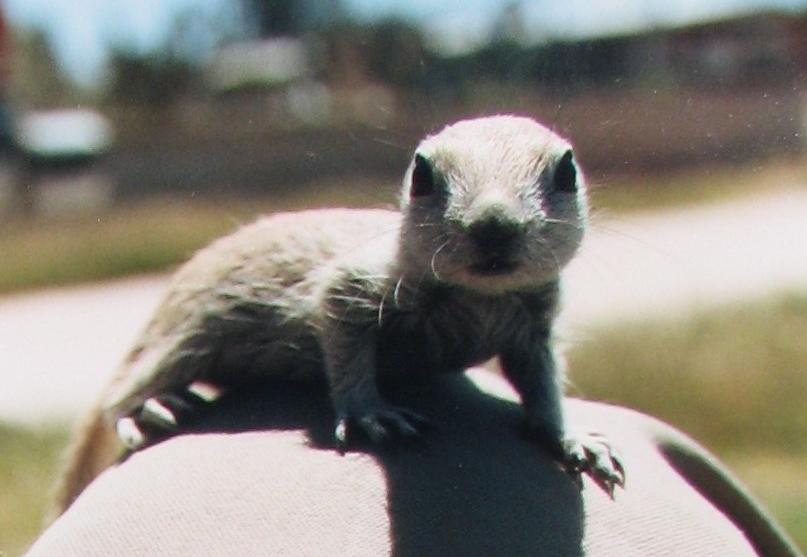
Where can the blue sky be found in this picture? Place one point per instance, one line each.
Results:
(82, 30)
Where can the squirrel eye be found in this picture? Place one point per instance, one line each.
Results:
(422, 177)
(565, 178)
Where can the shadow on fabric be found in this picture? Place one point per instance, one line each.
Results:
(450, 493)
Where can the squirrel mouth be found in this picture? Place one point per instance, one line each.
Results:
(493, 267)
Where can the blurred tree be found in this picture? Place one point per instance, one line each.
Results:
(275, 17)
(39, 81)
(154, 80)
(159, 77)
(509, 24)
(392, 52)
(292, 17)
(396, 54)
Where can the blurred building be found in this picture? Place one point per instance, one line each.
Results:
(760, 50)
(303, 101)
(767, 49)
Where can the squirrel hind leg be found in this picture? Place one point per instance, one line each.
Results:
(164, 415)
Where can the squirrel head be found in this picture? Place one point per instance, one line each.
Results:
(493, 204)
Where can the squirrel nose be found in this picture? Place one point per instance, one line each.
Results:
(495, 233)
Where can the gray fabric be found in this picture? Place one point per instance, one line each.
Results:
(261, 479)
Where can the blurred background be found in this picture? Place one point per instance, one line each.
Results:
(133, 132)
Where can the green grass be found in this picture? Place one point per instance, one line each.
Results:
(145, 237)
(141, 239)
(27, 467)
(779, 481)
(734, 378)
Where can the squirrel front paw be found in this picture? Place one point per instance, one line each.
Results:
(379, 420)
(593, 454)
(579, 453)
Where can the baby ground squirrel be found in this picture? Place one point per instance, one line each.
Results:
(491, 210)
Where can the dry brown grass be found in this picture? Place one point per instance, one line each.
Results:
(734, 378)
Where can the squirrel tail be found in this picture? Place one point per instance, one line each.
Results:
(94, 448)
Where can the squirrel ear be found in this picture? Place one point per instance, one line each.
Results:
(422, 177)
(565, 177)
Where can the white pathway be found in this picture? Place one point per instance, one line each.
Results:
(58, 346)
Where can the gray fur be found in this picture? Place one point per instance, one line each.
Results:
(364, 294)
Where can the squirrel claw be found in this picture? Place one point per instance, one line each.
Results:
(594, 455)
(129, 433)
(158, 414)
(163, 415)
(379, 425)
